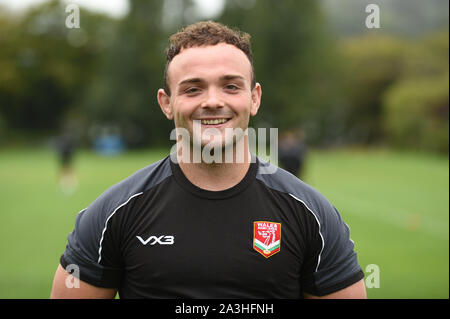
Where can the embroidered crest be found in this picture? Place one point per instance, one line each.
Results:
(266, 237)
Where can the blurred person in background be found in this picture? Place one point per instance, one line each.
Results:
(184, 229)
(292, 152)
(65, 145)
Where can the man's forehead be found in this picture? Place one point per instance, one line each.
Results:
(218, 60)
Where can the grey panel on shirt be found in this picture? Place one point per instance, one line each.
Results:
(84, 243)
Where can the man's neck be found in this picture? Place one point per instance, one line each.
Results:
(217, 176)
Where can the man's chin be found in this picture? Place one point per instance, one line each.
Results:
(229, 150)
(215, 145)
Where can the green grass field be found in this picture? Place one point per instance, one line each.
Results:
(396, 204)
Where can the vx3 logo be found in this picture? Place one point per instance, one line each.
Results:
(162, 240)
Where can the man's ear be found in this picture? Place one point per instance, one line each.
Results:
(164, 103)
(256, 99)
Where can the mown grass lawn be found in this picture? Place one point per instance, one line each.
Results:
(396, 204)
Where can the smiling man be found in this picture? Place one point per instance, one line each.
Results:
(213, 85)
(224, 229)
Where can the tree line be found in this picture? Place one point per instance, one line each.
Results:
(367, 88)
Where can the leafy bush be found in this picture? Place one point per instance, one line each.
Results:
(372, 64)
(416, 114)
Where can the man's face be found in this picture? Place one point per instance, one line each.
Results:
(210, 84)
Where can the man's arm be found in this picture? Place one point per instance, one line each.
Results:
(355, 291)
(85, 291)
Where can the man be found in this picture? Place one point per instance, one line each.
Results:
(292, 152)
(190, 229)
(65, 146)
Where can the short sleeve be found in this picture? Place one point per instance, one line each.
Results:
(94, 246)
(331, 263)
(87, 243)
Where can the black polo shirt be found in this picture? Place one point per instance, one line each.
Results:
(156, 235)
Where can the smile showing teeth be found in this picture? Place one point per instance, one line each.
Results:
(214, 122)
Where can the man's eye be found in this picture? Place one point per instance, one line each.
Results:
(191, 90)
(231, 87)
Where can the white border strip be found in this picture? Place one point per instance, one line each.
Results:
(267, 246)
(320, 233)
(106, 225)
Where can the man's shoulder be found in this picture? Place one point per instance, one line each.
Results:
(92, 222)
(282, 181)
(132, 186)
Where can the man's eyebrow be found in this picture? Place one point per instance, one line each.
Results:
(232, 77)
(227, 77)
(191, 80)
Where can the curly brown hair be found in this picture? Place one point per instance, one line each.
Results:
(206, 33)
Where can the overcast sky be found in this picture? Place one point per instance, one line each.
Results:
(116, 8)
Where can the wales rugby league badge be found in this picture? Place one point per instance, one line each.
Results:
(266, 238)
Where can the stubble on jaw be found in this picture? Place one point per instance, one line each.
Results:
(232, 147)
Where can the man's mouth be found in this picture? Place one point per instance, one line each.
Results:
(214, 121)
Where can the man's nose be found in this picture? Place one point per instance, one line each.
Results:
(213, 99)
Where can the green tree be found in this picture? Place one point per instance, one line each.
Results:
(294, 62)
(372, 64)
(416, 108)
(123, 93)
(44, 66)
